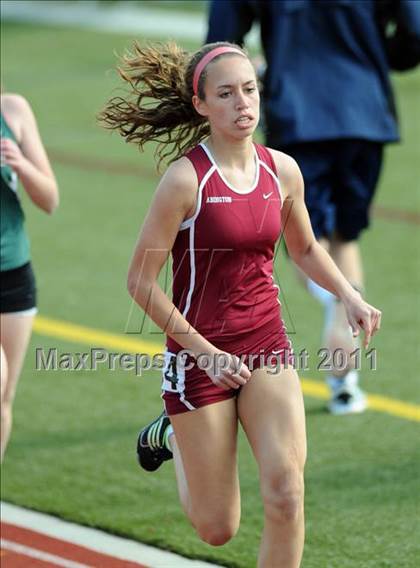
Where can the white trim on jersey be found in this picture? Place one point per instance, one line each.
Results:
(276, 179)
(192, 270)
(191, 226)
(188, 222)
(219, 171)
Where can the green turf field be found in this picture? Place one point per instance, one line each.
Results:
(72, 452)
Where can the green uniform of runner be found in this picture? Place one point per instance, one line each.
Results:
(14, 242)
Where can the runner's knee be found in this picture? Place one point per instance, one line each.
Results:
(216, 532)
(282, 493)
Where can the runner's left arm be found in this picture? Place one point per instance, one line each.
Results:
(311, 257)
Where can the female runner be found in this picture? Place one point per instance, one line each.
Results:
(23, 158)
(220, 208)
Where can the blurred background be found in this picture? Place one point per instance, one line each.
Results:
(72, 451)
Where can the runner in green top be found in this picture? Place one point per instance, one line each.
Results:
(23, 158)
(14, 242)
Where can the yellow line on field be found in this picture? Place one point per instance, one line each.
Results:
(93, 337)
(97, 338)
(394, 407)
(383, 404)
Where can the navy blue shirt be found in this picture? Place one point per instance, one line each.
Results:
(327, 73)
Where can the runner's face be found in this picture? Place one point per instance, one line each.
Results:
(232, 100)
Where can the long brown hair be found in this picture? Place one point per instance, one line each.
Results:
(158, 106)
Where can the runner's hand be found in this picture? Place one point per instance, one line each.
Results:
(227, 371)
(362, 315)
(11, 154)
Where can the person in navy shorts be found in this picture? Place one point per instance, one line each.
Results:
(219, 209)
(329, 103)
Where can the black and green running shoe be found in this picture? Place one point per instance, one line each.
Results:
(151, 448)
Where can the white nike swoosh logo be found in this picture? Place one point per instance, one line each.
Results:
(267, 195)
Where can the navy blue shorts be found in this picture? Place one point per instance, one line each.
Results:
(340, 180)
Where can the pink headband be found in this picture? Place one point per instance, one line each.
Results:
(206, 60)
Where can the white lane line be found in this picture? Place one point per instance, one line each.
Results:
(96, 540)
(39, 555)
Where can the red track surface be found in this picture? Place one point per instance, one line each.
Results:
(59, 548)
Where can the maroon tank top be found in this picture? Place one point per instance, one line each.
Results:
(223, 255)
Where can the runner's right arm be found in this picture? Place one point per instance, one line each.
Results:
(174, 202)
(28, 159)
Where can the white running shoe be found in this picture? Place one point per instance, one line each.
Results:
(346, 395)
